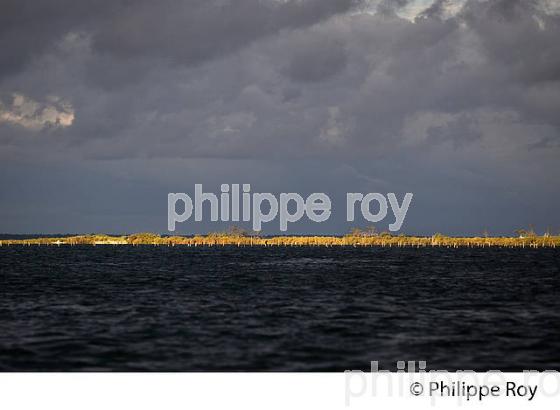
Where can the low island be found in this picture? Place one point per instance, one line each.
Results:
(237, 237)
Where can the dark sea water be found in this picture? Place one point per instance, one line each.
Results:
(120, 308)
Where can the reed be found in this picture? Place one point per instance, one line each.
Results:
(244, 239)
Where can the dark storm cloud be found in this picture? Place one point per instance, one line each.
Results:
(27, 28)
(188, 31)
(455, 94)
(320, 75)
(435, 10)
(518, 38)
(316, 59)
(192, 31)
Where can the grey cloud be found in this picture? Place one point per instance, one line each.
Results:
(460, 131)
(374, 71)
(198, 30)
(315, 57)
(27, 27)
(435, 10)
(390, 7)
(183, 31)
(467, 98)
(518, 37)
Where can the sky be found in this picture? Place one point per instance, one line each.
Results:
(106, 106)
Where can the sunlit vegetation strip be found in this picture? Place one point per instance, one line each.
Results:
(244, 239)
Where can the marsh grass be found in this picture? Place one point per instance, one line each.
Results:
(240, 238)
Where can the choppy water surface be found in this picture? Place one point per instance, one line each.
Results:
(295, 309)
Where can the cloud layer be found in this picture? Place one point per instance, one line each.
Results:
(468, 88)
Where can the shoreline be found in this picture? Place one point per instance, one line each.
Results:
(382, 240)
